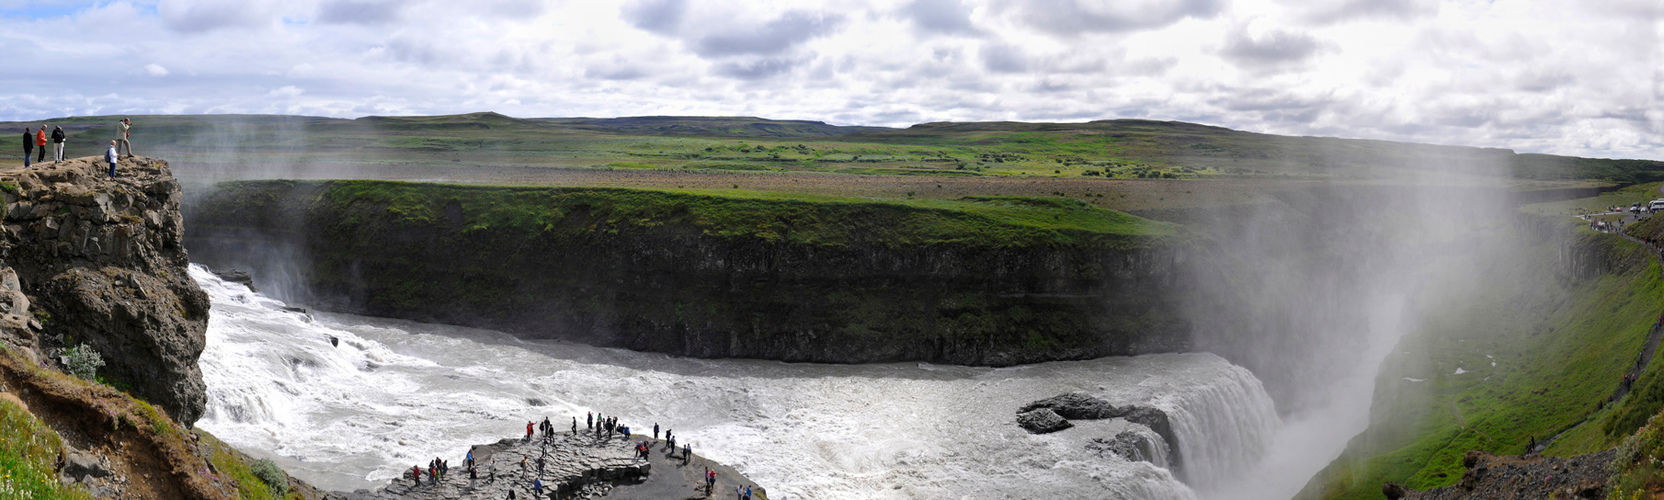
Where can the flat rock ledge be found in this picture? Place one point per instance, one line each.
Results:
(581, 466)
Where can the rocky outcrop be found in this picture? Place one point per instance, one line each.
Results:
(1076, 405)
(89, 259)
(1082, 406)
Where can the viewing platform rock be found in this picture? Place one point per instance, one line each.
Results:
(574, 466)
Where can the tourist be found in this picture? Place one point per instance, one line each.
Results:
(540, 464)
(473, 473)
(58, 143)
(739, 493)
(687, 453)
(510, 494)
(537, 486)
(416, 473)
(124, 134)
(110, 156)
(574, 426)
(528, 430)
(40, 143)
(748, 492)
(589, 421)
(28, 146)
(655, 431)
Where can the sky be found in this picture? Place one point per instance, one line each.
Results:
(1551, 76)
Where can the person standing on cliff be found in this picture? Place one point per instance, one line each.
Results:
(110, 156)
(574, 426)
(589, 421)
(655, 431)
(40, 142)
(57, 143)
(28, 146)
(124, 134)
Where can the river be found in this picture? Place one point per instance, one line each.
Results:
(393, 394)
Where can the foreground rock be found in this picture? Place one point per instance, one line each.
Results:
(1042, 421)
(85, 258)
(1509, 477)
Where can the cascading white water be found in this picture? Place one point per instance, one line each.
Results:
(395, 393)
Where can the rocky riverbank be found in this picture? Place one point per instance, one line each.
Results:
(1493, 477)
(568, 465)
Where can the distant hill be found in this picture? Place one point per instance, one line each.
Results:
(710, 126)
(1105, 149)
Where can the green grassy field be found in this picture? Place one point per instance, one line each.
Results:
(1118, 149)
(799, 219)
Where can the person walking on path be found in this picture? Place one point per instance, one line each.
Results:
(111, 156)
(28, 146)
(124, 134)
(655, 431)
(40, 143)
(58, 143)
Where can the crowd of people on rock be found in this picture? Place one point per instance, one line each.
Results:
(37, 140)
(602, 427)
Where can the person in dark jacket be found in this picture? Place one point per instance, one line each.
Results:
(58, 143)
(28, 146)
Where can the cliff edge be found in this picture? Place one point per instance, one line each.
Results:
(90, 259)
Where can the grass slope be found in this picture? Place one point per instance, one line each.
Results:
(1559, 350)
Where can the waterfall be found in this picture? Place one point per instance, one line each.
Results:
(393, 393)
(1222, 425)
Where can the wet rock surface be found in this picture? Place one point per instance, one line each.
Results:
(1510, 477)
(1042, 421)
(1130, 446)
(1076, 405)
(86, 258)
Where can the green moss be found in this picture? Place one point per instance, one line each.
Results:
(28, 453)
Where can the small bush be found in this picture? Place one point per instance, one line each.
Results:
(83, 361)
(269, 472)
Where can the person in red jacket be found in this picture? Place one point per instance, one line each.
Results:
(40, 143)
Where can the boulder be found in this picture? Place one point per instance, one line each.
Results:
(1042, 421)
(79, 465)
(239, 277)
(1077, 405)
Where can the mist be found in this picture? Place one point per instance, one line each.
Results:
(1312, 290)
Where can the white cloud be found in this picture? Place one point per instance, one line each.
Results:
(1534, 75)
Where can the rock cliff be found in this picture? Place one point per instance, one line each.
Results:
(842, 282)
(89, 259)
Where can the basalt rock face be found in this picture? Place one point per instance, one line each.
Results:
(579, 271)
(99, 261)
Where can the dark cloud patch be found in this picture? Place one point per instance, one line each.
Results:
(1273, 48)
(197, 17)
(613, 72)
(1004, 58)
(1543, 80)
(950, 17)
(1346, 10)
(757, 69)
(368, 13)
(773, 37)
(657, 16)
(1075, 17)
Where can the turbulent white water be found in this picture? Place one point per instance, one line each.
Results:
(394, 394)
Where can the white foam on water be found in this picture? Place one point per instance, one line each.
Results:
(397, 393)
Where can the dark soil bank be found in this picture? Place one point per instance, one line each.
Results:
(707, 276)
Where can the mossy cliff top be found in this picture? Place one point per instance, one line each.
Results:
(993, 222)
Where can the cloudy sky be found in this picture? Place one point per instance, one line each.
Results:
(1557, 76)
